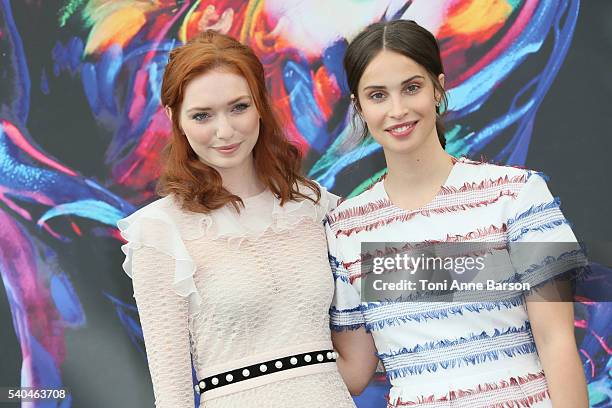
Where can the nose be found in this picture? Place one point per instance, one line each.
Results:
(398, 108)
(224, 128)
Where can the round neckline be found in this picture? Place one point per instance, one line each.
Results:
(447, 182)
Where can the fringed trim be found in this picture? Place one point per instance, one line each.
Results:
(407, 216)
(473, 359)
(352, 212)
(334, 309)
(340, 276)
(333, 262)
(345, 319)
(537, 173)
(574, 264)
(444, 313)
(565, 256)
(440, 344)
(492, 233)
(432, 209)
(486, 388)
(375, 225)
(540, 228)
(535, 209)
(349, 327)
(486, 247)
(485, 184)
(477, 234)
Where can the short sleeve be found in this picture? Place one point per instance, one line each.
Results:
(541, 243)
(152, 227)
(345, 311)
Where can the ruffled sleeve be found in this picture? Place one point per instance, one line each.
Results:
(164, 290)
(153, 226)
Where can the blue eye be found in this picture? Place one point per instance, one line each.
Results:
(241, 107)
(377, 96)
(200, 116)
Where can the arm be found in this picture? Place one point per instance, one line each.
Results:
(164, 320)
(542, 248)
(554, 338)
(357, 358)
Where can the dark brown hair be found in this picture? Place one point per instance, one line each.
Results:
(277, 162)
(404, 37)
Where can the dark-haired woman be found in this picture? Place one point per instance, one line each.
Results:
(510, 352)
(230, 267)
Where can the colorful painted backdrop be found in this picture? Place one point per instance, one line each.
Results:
(81, 130)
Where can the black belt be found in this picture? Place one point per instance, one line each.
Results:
(265, 368)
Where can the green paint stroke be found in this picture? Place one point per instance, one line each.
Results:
(68, 10)
(367, 183)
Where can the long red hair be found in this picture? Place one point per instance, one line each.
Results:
(277, 161)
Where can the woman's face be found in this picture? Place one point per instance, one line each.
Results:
(220, 120)
(398, 100)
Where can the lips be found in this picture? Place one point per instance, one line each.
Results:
(228, 149)
(402, 129)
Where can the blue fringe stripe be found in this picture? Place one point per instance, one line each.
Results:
(540, 228)
(556, 203)
(345, 319)
(577, 255)
(380, 324)
(473, 359)
(537, 173)
(440, 344)
(335, 265)
(342, 277)
(349, 327)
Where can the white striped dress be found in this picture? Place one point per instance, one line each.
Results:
(450, 354)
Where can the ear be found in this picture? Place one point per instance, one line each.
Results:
(441, 79)
(437, 96)
(355, 103)
(168, 112)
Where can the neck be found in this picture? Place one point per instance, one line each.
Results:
(242, 180)
(418, 169)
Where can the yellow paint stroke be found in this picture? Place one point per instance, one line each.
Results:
(478, 17)
(118, 26)
(253, 9)
(183, 30)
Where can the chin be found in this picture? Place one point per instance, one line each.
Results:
(229, 163)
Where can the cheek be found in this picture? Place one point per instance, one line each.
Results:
(247, 124)
(198, 134)
(373, 114)
(425, 106)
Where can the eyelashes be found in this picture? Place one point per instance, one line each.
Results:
(237, 109)
(378, 96)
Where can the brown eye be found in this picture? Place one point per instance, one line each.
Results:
(412, 88)
(377, 96)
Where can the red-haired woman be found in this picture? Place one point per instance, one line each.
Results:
(230, 267)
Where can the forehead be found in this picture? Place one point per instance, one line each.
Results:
(389, 68)
(214, 88)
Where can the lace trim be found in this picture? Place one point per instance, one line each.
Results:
(262, 214)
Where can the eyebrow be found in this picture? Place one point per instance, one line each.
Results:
(233, 101)
(412, 78)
